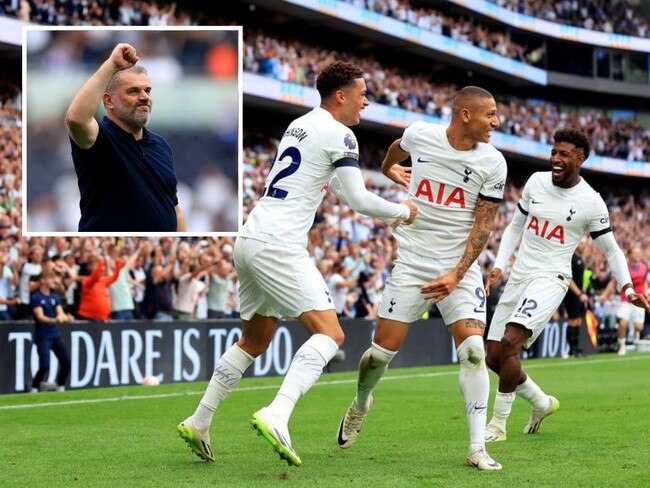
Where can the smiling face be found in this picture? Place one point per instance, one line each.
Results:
(566, 160)
(482, 119)
(353, 102)
(131, 101)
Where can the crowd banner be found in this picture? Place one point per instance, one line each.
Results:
(123, 353)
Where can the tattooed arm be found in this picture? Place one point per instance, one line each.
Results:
(442, 286)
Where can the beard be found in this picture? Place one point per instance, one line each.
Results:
(131, 116)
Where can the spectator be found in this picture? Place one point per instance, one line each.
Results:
(137, 280)
(218, 289)
(122, 304)
(233, 296)
(95, 297)
(28, 273)
(157, 301)
(7, 283)
(339, 283)
(188, 289)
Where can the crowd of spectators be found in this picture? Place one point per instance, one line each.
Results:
(460, 28)
(292, 60)
(619, 17)
(97, 12)
(122, 278)
(10, 159)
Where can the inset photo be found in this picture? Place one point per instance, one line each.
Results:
(131, 131)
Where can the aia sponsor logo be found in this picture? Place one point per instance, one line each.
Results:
(441, 195)
(546, 232)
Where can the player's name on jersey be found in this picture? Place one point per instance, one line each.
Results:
(296, 132)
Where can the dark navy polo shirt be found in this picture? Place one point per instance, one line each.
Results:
(126, 185)
(48, 303)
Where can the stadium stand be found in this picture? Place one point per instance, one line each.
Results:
(289, 59)
(620, 17)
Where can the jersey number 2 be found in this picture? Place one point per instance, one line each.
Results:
(294, 154)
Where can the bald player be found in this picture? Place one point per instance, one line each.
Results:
(456, 183)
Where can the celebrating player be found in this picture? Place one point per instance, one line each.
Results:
(277, 276)
(457, 182)
(555, 211)
(126, 173)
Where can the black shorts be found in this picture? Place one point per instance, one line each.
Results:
(575, 309)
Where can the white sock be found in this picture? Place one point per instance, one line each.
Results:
(226, 376)
(533, 394)
(305, 369)
(621, 342)
(372, 366)
(502, 407)
(475, 386)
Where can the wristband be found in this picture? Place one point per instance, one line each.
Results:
(629, 291)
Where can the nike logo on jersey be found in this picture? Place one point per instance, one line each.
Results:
(420, 160)
(535, 201)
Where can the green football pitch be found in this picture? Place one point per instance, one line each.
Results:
(415, 434)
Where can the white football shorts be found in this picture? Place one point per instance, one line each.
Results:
(530, 303)
(402, 300)
(631, 313)
(278, 281)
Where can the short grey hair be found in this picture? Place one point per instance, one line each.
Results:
(111, 88)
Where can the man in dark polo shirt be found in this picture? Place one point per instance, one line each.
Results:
(126, 173)
(48, 312)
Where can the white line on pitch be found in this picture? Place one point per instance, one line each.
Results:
(322, 383)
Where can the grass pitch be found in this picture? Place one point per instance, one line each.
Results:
(415, 435)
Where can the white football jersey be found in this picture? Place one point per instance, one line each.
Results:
(310, 150)
(445, 186)
(556, 219)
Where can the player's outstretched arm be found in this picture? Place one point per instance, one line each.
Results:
(618, 264)
(391, 168)
(80, 117)
(353, 191)
(442, 286)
